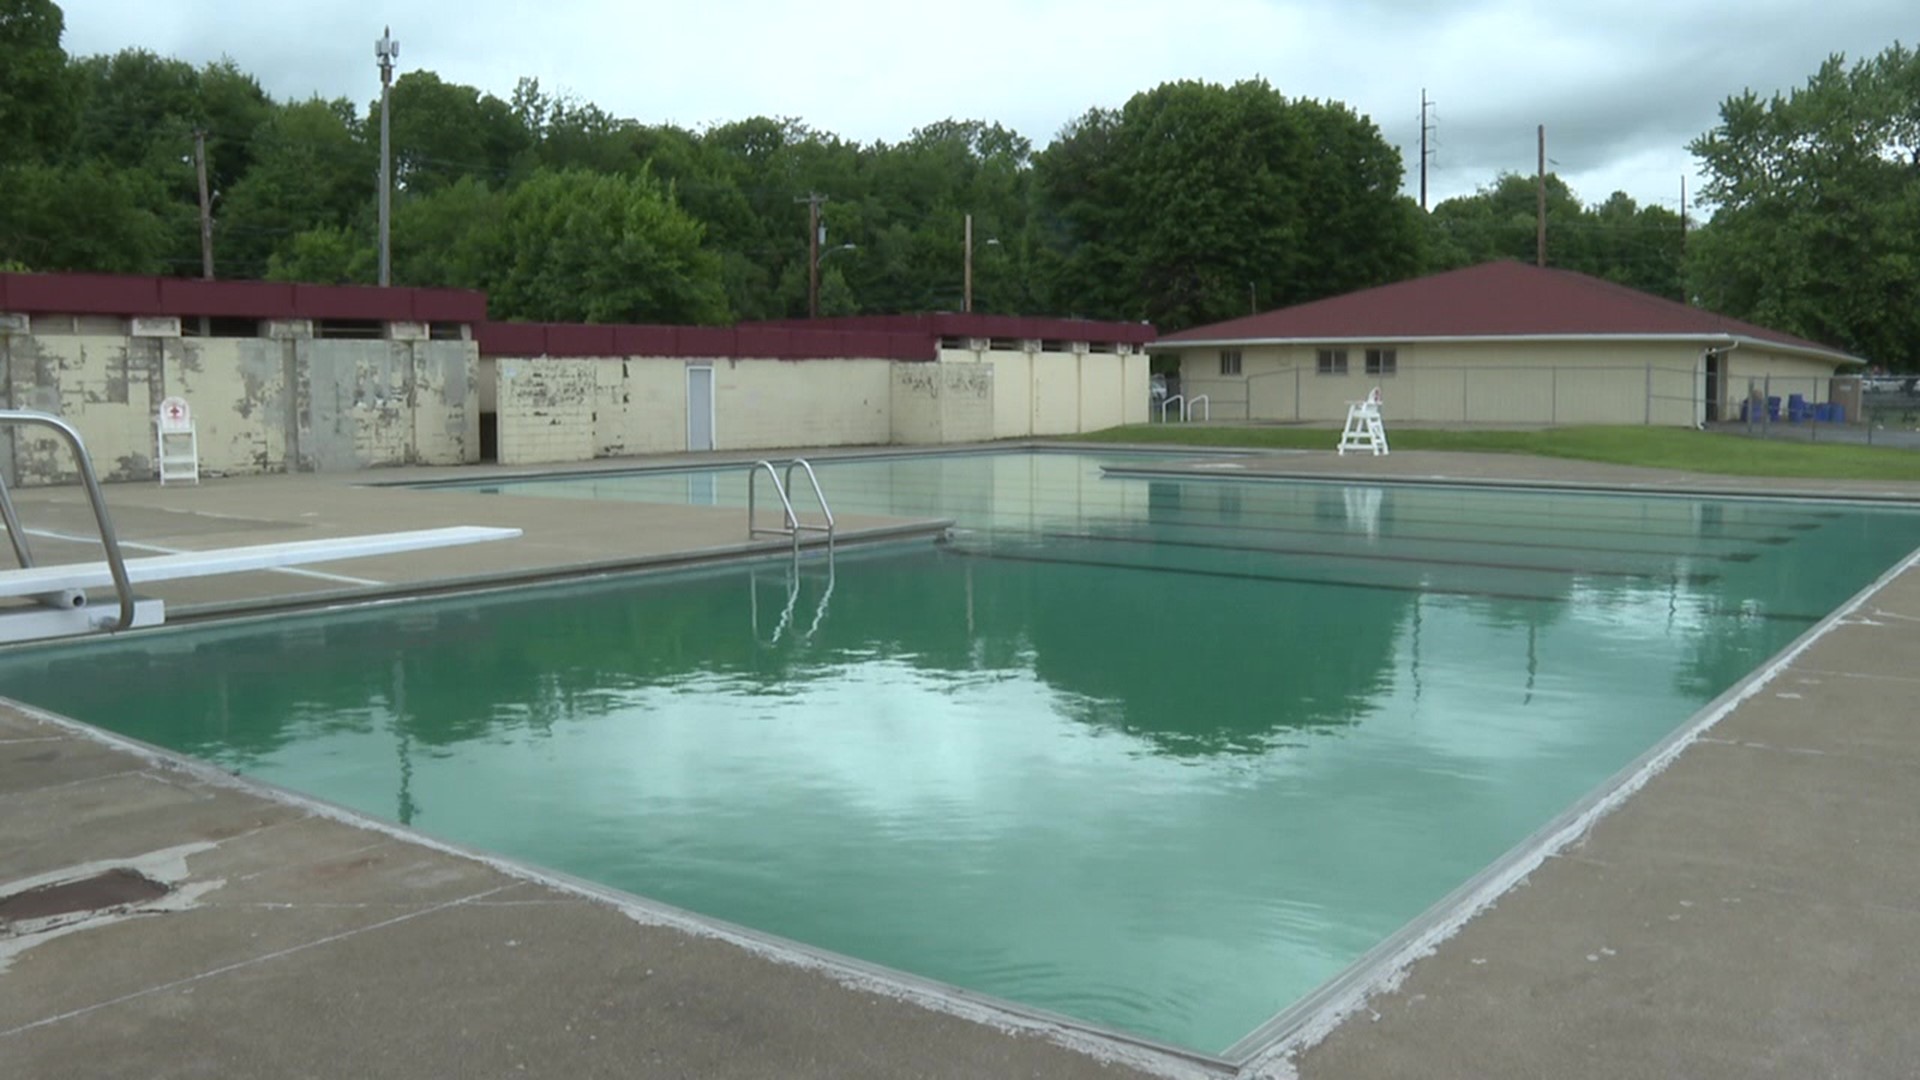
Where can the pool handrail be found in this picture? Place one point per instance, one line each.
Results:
(109, 540)
(791, 523)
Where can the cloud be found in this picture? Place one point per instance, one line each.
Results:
(1622, 88)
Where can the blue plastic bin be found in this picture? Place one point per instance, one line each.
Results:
(1773, 408)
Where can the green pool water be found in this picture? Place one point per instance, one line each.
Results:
(1158, 755)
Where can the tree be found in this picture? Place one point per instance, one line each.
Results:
(1174, 207)
(312, 169)
(89, 216)
(327, 255)
(1619, 240)
(443, 131)
(583, 247)
(36, 94)
(1817, 226)
(452, 238)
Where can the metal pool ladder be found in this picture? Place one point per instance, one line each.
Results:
(68, 599)
(791, 524)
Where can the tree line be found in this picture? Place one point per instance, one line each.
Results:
(1193, 202)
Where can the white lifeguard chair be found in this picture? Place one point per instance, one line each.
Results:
(1364, 430)
(178, 449)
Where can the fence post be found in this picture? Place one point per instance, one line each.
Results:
(1649, 417)
(1296, 393)
(1553, 395)
(1465, 374)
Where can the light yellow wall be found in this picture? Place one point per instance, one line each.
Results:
(914, 400)
(1103, 391)
(640, 406)
(1012, 391)
(1056, 394)
(1661, 383)
(942, 402)
(1774, 374)
(446, 403)
(546, 410)
(966, 402)
(1135, 400)
(258, 404)
(764, 404)
(256, 432)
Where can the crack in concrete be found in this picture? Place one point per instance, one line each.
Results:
(249, 962)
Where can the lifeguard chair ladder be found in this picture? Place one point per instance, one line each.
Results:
(1364, 430)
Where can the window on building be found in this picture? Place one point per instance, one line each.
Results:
(1383, 361)
(1229, 361)
(1331, 362)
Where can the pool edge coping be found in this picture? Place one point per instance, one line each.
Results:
(1103, 1044)
(1270, 1049)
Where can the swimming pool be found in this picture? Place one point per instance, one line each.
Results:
(1159, 755)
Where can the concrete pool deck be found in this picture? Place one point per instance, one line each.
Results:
(1749, 912)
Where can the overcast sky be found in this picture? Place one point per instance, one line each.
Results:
(1621, 86)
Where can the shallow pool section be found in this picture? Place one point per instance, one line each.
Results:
(1159, 755)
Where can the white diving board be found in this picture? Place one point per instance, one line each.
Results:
(44, 580)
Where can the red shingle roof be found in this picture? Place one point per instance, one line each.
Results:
(1492, 300)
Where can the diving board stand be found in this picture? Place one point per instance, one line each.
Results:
(59, 592)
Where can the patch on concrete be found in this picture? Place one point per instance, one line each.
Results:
(118, 887)
(82, 897)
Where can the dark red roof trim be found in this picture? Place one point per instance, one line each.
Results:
(120, 295)
(752, 341)
(952, 324)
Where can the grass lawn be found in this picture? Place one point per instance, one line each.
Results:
(1658, 448)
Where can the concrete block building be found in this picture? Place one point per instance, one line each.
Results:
(293, 378)
(1501, 343)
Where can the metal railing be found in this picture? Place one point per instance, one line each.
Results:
(116, 565)
(1186, 406)
(791, 525)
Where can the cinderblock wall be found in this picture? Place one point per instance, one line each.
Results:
(259, 404)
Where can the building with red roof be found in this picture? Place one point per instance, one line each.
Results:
(285, 377)
(1501, 342)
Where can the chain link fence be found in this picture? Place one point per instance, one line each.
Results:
(1877, 411)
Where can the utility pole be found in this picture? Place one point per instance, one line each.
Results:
(966, 288)
(386, 51)
(1424, 152)
(813, 200)
(206, 205)
(1540, 240)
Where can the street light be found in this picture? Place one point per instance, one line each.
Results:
(386, 51)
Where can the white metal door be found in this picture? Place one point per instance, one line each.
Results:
(700, 408)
